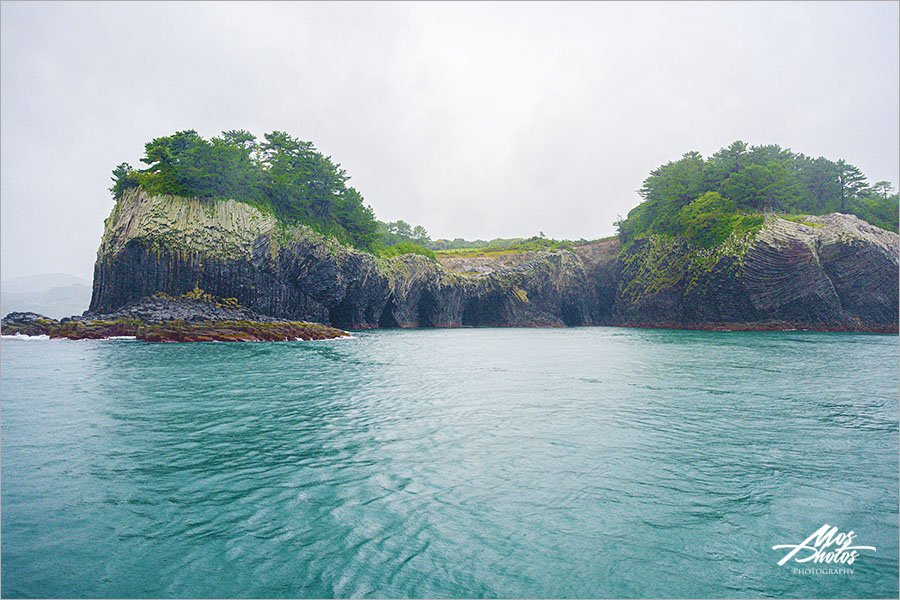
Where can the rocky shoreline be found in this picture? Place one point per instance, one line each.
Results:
(163, 318)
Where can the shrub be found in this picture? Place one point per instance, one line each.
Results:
(404, 248)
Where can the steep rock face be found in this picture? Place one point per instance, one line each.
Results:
(831, 272)
(232, 250)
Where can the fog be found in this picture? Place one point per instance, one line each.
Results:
(474, 120)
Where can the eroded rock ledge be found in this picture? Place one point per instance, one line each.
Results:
(201, 318)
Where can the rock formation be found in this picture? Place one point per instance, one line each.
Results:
(171, 330)
(831, 272)
(826, 272)
(232, 250)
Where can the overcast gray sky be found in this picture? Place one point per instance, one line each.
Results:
(474, 120)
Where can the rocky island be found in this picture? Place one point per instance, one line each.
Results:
(707, 263)
(831, 272)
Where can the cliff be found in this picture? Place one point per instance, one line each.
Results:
(825, 272)
(232, 250)
(832, 272)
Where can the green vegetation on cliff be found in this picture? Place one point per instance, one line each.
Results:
(707, 199)
(404, 248)
(507, 246)
(401, 231)
(393, 234)
(281, 174)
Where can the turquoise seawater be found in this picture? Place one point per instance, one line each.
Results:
(585, 462)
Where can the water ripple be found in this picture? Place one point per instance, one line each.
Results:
(588, 462)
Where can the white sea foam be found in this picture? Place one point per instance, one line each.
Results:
(22, 336)
(334, 339)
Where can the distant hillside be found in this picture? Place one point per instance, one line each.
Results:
(55, 295)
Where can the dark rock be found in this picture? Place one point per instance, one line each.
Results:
(837, 273)
(162, 307)
(26, 323)
(198, 317)
(840, 274)
(23, 318)
(174, 245)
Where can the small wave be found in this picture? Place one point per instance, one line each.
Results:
(334, 339)
(121, 337)
(22, 336)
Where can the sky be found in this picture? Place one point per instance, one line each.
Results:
(474, 120)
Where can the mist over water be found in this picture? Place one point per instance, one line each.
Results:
(584, 462)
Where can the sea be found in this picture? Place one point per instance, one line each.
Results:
(589, 462)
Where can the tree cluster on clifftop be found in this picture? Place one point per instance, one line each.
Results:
(707, 199)
(280, 174)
